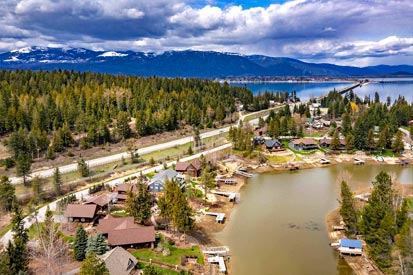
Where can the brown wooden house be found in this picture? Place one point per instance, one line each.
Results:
(125, 233)
(192, 169)
(81, 212)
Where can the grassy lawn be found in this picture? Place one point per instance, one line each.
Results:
(160, 270)
(278, 159)
(174, 258)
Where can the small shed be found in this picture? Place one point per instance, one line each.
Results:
(350, 247)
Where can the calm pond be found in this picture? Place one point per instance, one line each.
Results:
(279, 226)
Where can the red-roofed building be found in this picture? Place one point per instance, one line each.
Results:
(192, 169)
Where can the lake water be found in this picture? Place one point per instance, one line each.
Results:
(306, 90)
(279, 226)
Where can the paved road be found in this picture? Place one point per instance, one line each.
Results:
(142, 151)
(117, 157)
(40, 214)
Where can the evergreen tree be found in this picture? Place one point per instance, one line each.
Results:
(197, 138)
(92, 265)
(97, 244)
(80, 244)
(335, 141)
(348, 210)
(7, 194)
(377, 223)
(82, 168)
(57, 181)
(398, 144)
(349, 142)
(190, 151)
(346, 125)
(16, 258)
(371, 145)
(402, 215)
(23, 165)
(207, 179)
(139, 205)
(122, 125)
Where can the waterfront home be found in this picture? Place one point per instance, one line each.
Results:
(158, 181)
(273, 144)
(80, 212)
(192, 169)
(326, 143)
(124, 232)
(350, 247)
(303, 144)
(119, 261)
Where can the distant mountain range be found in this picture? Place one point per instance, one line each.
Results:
(182, 64)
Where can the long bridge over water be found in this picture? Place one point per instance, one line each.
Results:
(346, 89)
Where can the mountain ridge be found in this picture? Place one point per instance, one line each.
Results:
(187, 63)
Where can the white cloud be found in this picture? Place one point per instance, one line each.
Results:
(310, 29)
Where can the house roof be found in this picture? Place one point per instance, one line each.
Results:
(350, 243)
(119, 261)
(272, 143)
(132, 235)
(329, 140)
(80, 210)
(101, 200)
(110, 223)
(181, 165)
(307, 141)
(196, 164)
(124, 187)
(168, 173)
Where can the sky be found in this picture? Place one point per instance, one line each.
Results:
(356, 32)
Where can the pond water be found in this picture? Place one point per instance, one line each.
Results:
(279, 226)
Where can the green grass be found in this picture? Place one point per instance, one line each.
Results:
(5, 230)
(160, 270)
(174, 258)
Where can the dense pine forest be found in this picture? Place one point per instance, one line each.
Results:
(46, 108)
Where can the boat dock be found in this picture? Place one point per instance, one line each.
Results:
(220, 261)
(403, 162)
(216, 256)
(235, 197)
(243, 173)
(220, 217)
(226, 181)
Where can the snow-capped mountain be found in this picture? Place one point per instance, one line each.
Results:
(180, 63)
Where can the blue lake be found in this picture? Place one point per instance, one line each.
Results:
(306, 90)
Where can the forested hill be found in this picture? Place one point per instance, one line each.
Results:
(182, 64)
(42, 108)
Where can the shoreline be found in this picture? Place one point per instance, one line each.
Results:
(308, 163)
